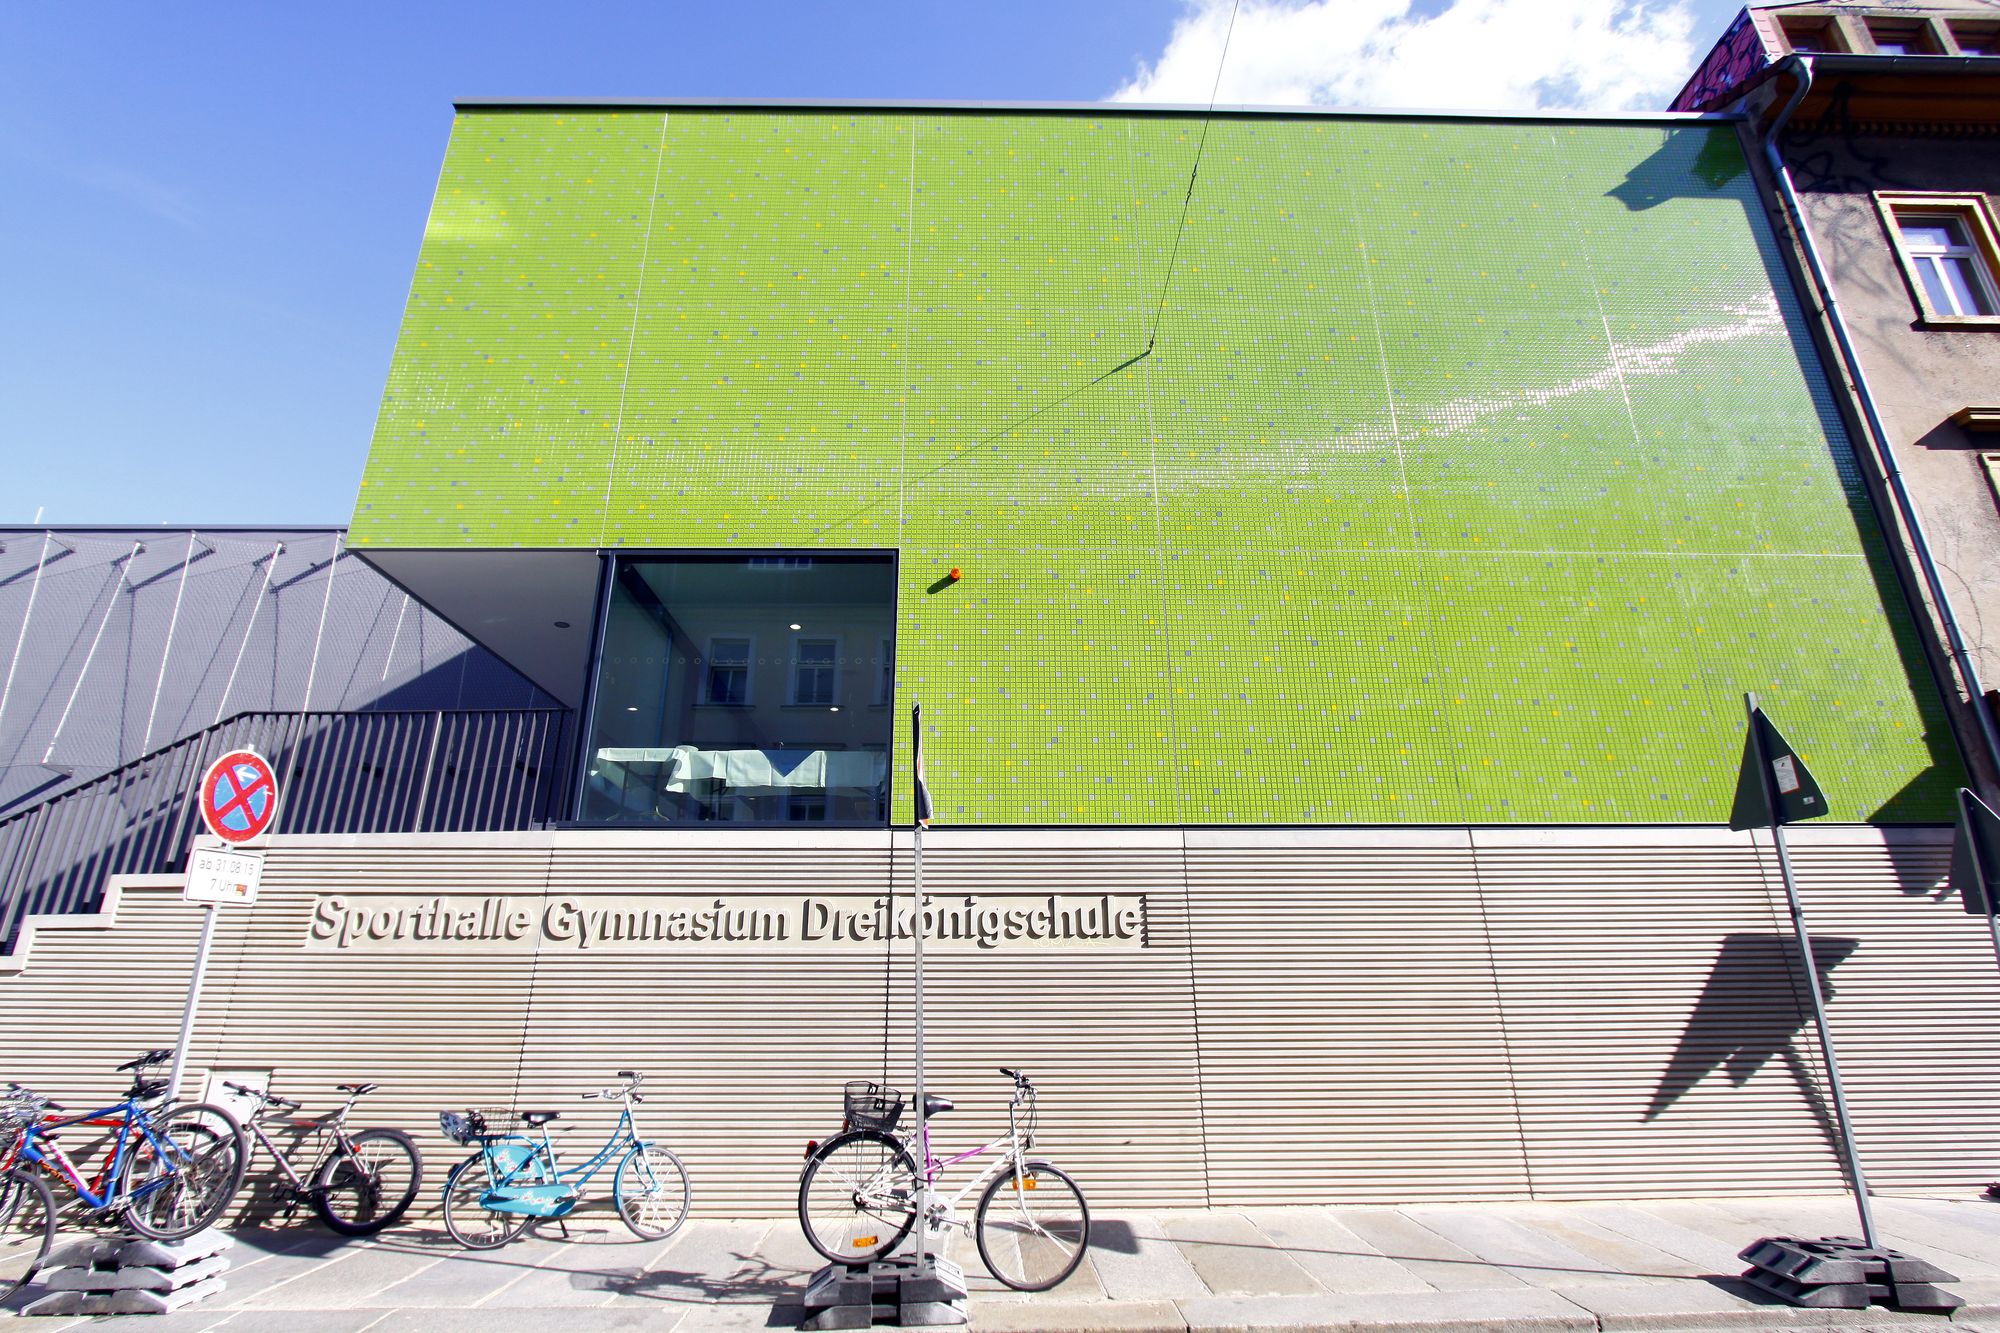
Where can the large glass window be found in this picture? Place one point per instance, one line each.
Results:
(729, 691)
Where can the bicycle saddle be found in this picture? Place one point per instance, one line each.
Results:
(540, 1118)
(358, 1089)
(936, 1105)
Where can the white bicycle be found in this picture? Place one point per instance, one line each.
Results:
(858, 1195)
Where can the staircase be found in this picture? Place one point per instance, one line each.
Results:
(375, 772)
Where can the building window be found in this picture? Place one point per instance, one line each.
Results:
(729, 671)
(813, 668)
(1813, 35)
(1976, 38)
(1946, 244)
(1902, 37)
(885, 673)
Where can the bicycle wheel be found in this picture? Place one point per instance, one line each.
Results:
(361, 1193)
(858, 1196)
(1032, 1227)
(651, 1191)
(27, 1228)
(470, 1223)
(183, 1176)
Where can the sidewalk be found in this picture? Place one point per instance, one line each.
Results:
(1554, 1267)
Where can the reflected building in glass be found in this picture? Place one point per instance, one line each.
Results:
(752, 690)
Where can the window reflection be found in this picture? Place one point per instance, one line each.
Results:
(753, 690)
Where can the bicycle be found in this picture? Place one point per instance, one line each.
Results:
(492, 1196)
(169, 1173)
(858, 1191)
(361, 1182)
(27, 1210)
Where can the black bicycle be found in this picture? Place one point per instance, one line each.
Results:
(360, 1182)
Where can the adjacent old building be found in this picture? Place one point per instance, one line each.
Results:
(1877, 131)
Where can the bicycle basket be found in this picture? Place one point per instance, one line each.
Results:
(471, 1126)
(872, 1106)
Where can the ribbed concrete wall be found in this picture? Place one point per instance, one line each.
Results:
(1285, 1016)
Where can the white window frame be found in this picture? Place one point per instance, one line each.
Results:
(833, 666)
(1970, 211)
(749, 642)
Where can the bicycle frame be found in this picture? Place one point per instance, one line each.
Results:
(542, 1155)
(935, 1166)
(102, 1193)
(333, 1123)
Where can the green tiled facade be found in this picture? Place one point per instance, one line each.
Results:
(1475, 472)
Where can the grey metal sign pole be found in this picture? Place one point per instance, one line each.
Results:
(193, 1001)
(1765, 777)
(923, 1143)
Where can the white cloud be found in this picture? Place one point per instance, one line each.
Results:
(1499, 55)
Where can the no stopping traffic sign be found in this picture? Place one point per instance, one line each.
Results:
(239, 796)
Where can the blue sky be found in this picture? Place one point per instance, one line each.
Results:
(209, 213)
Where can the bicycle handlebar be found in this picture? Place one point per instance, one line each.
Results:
(154, 1057)
(30, 1100)
(630, 1089)
(264, 1096)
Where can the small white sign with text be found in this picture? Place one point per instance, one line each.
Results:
(225, 878)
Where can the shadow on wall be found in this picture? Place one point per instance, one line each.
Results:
(1709, 162)
(474, 678)
(471, 679)
(1752, 1010)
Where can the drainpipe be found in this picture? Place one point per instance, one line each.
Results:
(1885, 454)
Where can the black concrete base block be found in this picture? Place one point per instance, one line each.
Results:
(1843, 1273)
(899, 1292)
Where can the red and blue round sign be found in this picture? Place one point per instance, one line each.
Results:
(239, 796)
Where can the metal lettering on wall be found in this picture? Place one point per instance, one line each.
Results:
(499, 922)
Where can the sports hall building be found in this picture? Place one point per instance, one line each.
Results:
(1330, 592)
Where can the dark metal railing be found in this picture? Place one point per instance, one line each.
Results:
(378, 772)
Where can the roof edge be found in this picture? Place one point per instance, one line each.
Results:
(1067, 108)
(167, 529)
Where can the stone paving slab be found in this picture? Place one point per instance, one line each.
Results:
(1332, 1254)
(1081, 1317)
(516, 1321)
(443, 1276)
(710, 1263)
(1526, 1309)
(1529, 1253)
(1701, 1252)
(1136, 1261)
(1522, 1268)
(589, 1269)
(1234, 1258)
(1441, 1264)
(1617, 1252)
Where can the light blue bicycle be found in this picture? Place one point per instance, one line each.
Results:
(492, 1196)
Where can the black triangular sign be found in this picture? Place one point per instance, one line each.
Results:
(1772, 770)
(1975, 856)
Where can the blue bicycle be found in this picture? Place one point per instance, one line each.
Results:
(169, 1172)
(492, 1196)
